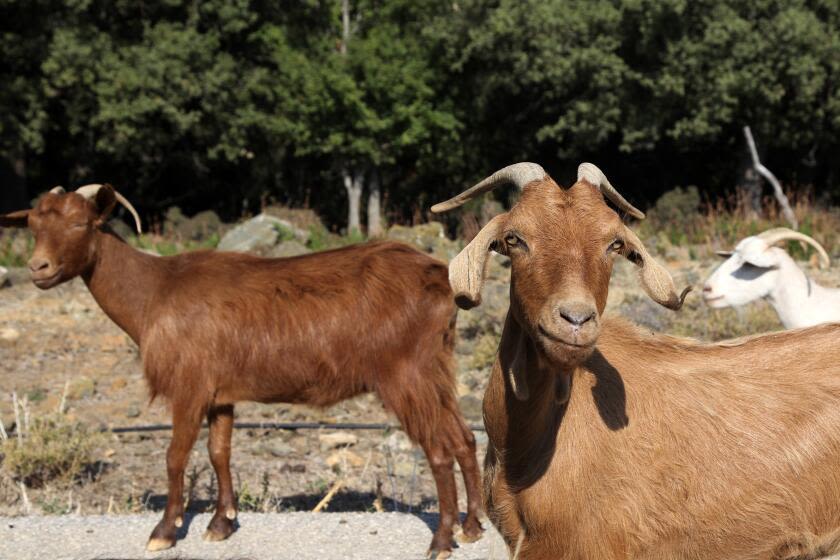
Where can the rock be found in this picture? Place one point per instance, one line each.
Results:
(4, 277)
(397, 441)
(291, 248)
(259, 234)
(8, 334)
(470, 406)
(132, 411)
(429, 237)
(277, 448)
(344, 456)
(337, 439)
(81, 388)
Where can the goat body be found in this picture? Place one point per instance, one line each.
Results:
(668, 448)
(607, 443)
(216, 328)
(756, 269)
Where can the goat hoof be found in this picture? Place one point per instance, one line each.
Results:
(220, 528)
(467, 535)
(435, 554)
(157, 544)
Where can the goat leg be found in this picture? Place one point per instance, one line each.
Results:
(442, 462)
(464, 451)
(218, 446)
(185, 426)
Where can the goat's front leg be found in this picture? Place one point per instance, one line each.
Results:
(218, 446)
(186, 422)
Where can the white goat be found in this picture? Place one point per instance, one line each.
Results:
(757, 269)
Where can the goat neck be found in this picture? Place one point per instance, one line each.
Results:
(123, 280)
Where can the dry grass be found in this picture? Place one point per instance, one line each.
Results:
(47, 448)
(681, 218)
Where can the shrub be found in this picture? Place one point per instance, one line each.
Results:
(48, 448)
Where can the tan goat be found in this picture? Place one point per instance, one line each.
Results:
(610, 442)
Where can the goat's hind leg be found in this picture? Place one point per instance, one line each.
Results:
(441, 462)
(463, 447)
(221, 526)
(186, 422)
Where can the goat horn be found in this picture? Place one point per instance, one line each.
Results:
(594, 176)
(519, 174)
(57, 190)
(89, 192)
(777, 235)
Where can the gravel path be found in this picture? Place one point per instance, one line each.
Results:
(286, 536)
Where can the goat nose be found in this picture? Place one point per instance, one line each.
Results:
(707, 289)
(576, 314)
(36, 264)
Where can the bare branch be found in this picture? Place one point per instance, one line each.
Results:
(767, 174)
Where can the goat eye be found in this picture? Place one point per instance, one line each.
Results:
(511, 240)
(616, 246)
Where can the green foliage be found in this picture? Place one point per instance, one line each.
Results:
(224, 103)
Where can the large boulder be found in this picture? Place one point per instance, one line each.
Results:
(291, 248)
(429, 237)
(260, 234)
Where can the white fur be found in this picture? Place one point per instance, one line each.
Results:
(756, 270)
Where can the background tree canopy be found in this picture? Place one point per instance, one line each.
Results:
(221, 104)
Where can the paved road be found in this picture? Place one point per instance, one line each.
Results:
(273, 536)
(286, 536)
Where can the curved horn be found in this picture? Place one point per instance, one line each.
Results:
(519, 174)
(594, 176)
(57, 190)
(776, 235)
(89, 192)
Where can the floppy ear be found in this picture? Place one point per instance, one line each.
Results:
(759, 254)
(655, 279)
(19, 219)
(105, 201)
(466, 271)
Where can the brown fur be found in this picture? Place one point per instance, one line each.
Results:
(635, 445)
(217, 328)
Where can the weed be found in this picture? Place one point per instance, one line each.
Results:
(46, 448)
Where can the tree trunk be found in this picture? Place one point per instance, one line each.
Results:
(345, 26)
(353, 183)
(374, 209)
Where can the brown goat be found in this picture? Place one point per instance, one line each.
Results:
(216, 328)
(608, 442)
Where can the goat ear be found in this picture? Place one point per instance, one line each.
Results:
(655, 279)
(466, 271)
(105, 201)
(759, 254)
(19, 219)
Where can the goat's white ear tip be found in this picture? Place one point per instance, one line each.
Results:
(724, 254)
